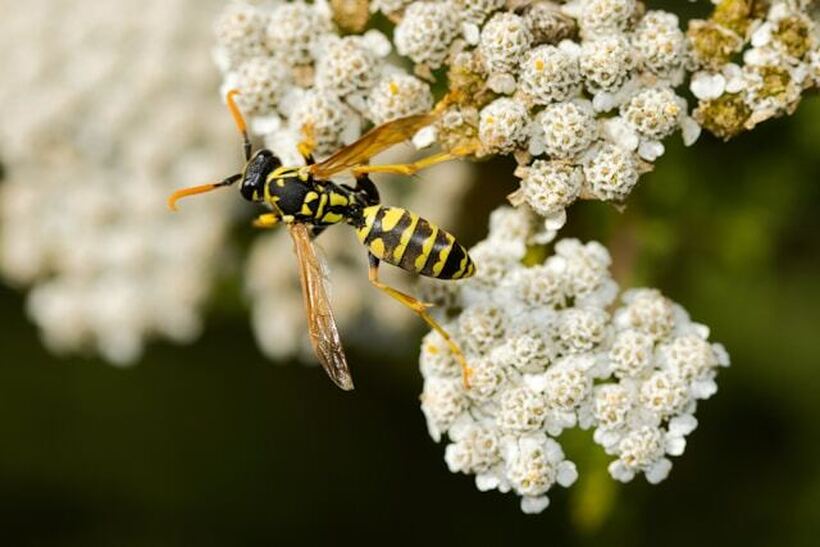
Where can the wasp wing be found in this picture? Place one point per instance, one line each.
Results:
(374, 141)
(324, 336)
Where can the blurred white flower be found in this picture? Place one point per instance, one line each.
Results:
(83, 219)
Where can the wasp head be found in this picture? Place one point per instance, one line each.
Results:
(256, 173)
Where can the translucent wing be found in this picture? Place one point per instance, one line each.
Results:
(374, 141)
(321, 325)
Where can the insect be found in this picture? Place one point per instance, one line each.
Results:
(305, 201)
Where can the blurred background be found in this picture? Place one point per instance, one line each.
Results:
(211, 443)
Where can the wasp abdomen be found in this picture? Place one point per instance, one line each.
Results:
(404, 239)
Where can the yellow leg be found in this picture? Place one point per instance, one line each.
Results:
(453, 97)
(267, 220)
(239, 120)
(308, 143)
(420, 308)
(412, 168)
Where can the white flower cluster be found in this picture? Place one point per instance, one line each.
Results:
(781, 59)
(583, 93)
(548, 355)
(294, 70)
(662, 364)
(90, 153)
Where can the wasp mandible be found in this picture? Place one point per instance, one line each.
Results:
(307, 202)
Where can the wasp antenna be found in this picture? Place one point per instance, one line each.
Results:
(239, 120)
(200, 189)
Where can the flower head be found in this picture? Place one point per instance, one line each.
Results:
(548, 356)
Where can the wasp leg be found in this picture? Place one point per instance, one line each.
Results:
(239, 120)
(267, 220)
(308, 144)
(366, 187)
(420, 308)
(412, 168)
(316, 231)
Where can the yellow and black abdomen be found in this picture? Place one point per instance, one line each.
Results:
(404, 239)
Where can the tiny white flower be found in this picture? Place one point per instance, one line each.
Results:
(502, 83)
(345, 66)
(396, 96)
(734, 78)
(503, 125)
(706, 86)
(534, 505)
(471, 33)
(620, 133)
(690, 130)
(651, 150)
(611, 173)
(569, 128)
(659, 42)
(442, 401)
(601, 17)
(426, 31)
(654, 112)
(550, 186)
(762, 35)
(476, 11)
(305, 25)
(658, 471)
(377, 42)
(549, 74)
(504, 40)
(606, 62)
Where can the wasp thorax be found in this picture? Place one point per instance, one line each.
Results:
(256, 173)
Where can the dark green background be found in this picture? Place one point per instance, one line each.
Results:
(213, 445)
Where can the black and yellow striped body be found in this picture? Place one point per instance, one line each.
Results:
(301, 198)
(392, 234)
(404, 239)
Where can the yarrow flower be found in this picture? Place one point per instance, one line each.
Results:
(426, 31)
(561, 360)
(779, 49)
(590, 84)
(627, 63)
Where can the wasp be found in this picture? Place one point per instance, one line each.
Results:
(306, 201)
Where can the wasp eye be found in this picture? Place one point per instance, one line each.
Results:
(256, 173)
